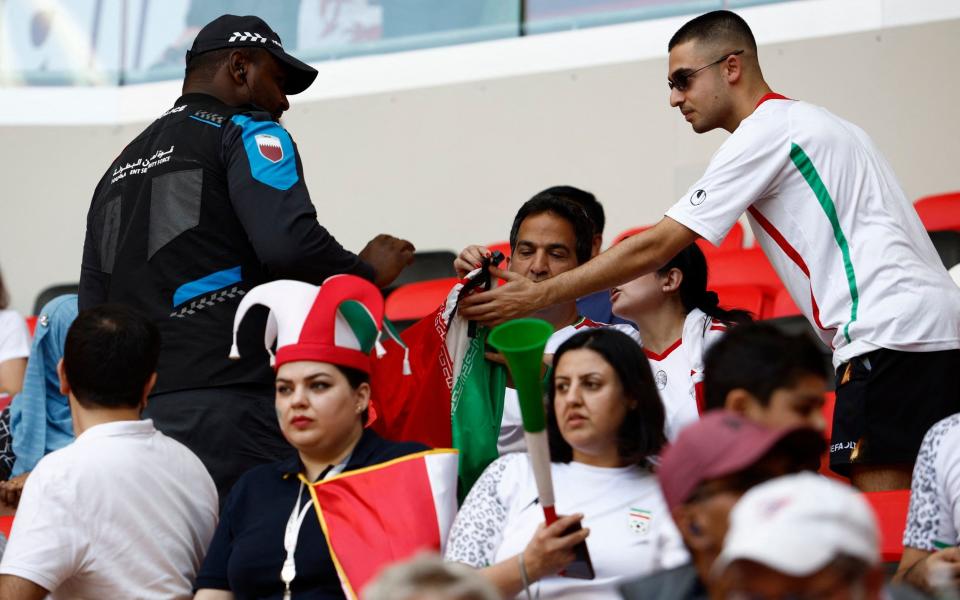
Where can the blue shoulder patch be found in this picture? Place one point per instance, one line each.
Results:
(270, 152)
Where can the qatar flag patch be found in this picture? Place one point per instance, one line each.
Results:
(270, 152)
(270, 147)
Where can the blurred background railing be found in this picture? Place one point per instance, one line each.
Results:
(119, 42)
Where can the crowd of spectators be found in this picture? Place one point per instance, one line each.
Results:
(686, 443)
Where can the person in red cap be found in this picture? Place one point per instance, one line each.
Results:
(206, 203)
(269, 540)
(702, 474)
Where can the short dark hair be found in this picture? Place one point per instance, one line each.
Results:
(109, 356)
(573, 213)
(716, 27)
(641, 433)
(760, 359)
(587, 201)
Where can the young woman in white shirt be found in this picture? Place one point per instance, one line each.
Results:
(605, 422)
(678, 319)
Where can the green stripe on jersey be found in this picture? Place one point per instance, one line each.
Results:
(809, 172)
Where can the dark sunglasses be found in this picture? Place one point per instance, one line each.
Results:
(681, 79)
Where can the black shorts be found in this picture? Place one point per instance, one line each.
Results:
(886, 402)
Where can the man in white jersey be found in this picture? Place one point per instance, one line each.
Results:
(123, 511)
(830, 215)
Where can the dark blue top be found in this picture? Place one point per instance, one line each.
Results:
(246, 552)
(597, 307)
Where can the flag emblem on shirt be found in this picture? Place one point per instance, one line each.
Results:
(639, 520)
(270, 148)
(661, 379)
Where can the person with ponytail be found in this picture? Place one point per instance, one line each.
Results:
(678, 319)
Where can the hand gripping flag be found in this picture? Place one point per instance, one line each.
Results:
(454, 396)
(386, 513)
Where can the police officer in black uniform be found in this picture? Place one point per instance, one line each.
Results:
(208, 202)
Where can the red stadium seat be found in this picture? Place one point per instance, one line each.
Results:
(733, 241)
(745, 297)
(417, 300)
(783, 305)
(940, 212)
(891, 511)
(32, 324)
(748, 266)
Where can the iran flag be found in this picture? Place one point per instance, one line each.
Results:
(386, 513)
(454, 396)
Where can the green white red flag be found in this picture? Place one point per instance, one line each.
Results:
(454, 395)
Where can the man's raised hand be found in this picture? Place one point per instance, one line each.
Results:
(388, 256)
(517, 297)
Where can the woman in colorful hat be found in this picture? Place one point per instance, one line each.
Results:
(605, 424)
(269, 542)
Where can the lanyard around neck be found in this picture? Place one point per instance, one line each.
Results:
(290, 536)
(288, 572)
(292, 532)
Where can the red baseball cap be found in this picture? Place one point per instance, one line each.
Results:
(723, 443)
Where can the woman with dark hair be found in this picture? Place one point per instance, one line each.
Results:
(269, 542)
(678, 319)
(14, 346)
(605, 423)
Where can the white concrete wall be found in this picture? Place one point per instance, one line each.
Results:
(446, 165)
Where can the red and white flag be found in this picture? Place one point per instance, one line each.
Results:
(386, 513)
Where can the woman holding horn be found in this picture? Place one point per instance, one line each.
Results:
(605, 423)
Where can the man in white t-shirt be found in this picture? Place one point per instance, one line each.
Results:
(830, 215)
(123, 511)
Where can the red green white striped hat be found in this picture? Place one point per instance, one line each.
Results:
(339, 322)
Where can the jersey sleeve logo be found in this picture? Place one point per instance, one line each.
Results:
(698, 197)
(270, 147)
(661, 379)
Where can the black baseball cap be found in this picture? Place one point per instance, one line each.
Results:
(231, 31)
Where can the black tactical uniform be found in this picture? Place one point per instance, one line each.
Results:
(208, 202)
